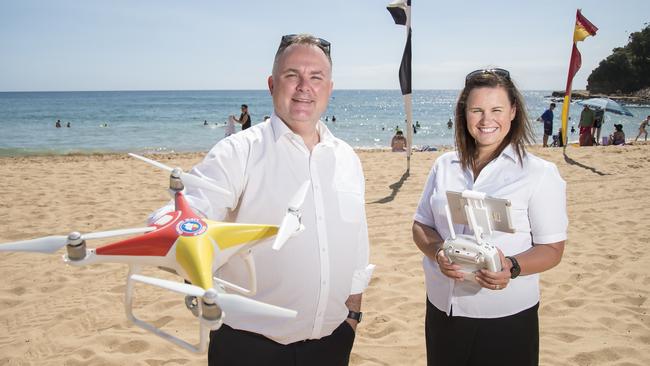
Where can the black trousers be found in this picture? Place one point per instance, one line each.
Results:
(461, 341)
(233, 347)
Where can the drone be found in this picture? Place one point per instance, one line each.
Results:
(188, 245)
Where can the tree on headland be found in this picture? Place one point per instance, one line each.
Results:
(627, 69)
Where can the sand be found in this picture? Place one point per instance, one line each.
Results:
(594, 308)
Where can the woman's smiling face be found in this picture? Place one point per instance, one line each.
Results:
(489, 114)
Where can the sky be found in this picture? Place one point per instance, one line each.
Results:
(64, 45)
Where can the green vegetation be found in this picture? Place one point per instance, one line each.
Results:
(627, 69)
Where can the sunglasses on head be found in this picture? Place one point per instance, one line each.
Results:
(496, 71)
(290, 38)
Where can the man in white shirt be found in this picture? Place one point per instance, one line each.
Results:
(322, 272)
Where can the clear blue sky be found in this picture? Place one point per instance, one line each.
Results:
(162, 44)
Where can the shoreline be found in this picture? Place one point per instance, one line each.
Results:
(170, 154)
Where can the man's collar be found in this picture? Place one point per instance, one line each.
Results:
(280, 129)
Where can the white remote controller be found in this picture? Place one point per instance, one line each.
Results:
(475, 209)
(470, 255)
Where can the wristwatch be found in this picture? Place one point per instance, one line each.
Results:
(355, 315)
(515, 270)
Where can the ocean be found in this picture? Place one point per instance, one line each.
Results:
(173, 121)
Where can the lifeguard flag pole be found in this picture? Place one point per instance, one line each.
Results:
(401, 12)
(582, 30)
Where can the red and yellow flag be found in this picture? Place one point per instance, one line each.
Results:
(583, 29)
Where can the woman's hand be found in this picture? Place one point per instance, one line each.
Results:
(495, 280)
(447, 268)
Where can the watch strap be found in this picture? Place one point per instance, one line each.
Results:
(515, 270)
(355, 315)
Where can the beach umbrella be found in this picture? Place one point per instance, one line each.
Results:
(607, 104)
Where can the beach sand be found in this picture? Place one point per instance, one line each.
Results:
(594, 307)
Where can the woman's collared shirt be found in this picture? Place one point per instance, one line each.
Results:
(538, 197)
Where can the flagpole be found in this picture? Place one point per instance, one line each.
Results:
(408, 103)
(567, 98)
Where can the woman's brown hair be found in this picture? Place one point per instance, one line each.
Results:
(520, 133)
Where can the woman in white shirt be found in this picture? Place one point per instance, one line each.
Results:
(493, 320)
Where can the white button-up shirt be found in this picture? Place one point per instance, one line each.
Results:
(316, 271)
(538, 197)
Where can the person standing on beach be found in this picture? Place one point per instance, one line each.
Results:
(492, 318)
(321, 272)
(58, 123)
(547, 118)
(585, 125)
(244, 118)
(599, 118)
(642, 129)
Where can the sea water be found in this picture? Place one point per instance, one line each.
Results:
(173, 121)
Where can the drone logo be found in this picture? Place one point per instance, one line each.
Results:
(191, 227)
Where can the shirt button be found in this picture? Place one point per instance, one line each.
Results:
(324, 282)
(320, 218)
(323, 250)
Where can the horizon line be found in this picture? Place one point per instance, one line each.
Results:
(207, 90)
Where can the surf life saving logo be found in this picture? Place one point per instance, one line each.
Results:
(191, 227)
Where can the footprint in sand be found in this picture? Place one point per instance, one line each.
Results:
(134, 347)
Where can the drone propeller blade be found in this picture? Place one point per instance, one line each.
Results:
(48, 244)
(291, 220)
(299, 197)
(190, 179)
(182, 288)
(237, 303)
(199, 182)
(227, 302)
(152, 162)
(289, 226)
(119, 232)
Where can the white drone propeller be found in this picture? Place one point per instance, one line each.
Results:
(51, 244)
(291, 221)
(227, 302)
(187, 178)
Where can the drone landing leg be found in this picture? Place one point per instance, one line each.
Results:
(252, 276)
(204, 331)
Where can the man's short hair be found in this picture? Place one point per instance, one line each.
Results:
(304, 39)
(553, 105)
(244, 106)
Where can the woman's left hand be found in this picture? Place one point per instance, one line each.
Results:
(495, 280)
